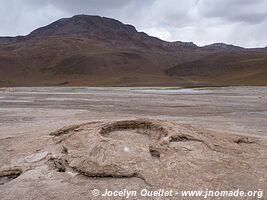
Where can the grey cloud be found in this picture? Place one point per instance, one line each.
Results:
(254, 11)
(83, 5)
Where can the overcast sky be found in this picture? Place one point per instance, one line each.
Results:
(239, 22)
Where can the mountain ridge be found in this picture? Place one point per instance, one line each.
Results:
(99, 51)
(94, 18)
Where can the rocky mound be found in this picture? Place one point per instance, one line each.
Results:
(163, 153)
(135, 154)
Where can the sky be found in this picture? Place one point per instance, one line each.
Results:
(238, 22)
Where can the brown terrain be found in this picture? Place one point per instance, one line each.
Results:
(133, 155)
(76, 142)
(131, 138)
(97, 51)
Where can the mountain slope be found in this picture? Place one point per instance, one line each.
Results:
(235, 68)
(97, 51)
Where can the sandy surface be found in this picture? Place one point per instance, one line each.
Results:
(235, 109)
(133, 138)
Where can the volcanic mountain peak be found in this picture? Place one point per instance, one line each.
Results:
(87, 24)
(97, 28)
(99, 51)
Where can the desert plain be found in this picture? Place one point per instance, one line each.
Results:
(65, 142)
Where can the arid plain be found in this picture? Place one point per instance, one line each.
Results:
(133, 138)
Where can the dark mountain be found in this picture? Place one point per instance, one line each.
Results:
(224, 47)
(96, 27)
(98, 51)
(92, 25)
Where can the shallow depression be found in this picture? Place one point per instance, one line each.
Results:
(133, 141)
(9, 175)
(133, 136)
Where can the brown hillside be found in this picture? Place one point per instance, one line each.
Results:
(98, 51)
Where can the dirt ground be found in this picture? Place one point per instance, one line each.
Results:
(132, 139)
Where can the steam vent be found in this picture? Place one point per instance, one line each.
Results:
(158, 152)
(133, 154)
